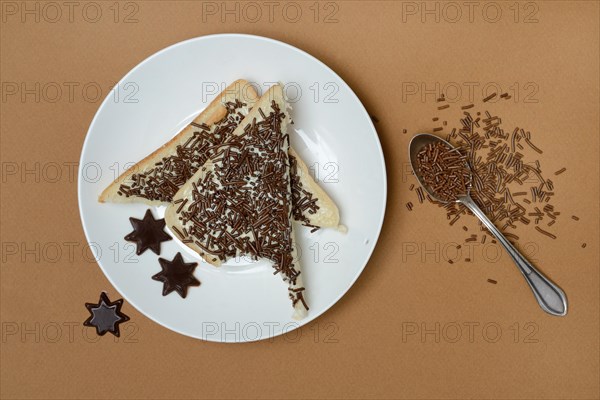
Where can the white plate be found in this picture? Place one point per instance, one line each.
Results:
(241, 301)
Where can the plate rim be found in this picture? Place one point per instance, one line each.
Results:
(374, 132)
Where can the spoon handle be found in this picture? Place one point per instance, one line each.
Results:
(550, 297)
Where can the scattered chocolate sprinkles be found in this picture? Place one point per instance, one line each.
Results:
(576, 218)
(493, 282)
(508, 182)
(583, 246)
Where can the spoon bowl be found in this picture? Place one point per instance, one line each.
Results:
(417, 143)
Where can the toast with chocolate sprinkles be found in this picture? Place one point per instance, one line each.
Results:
(240, 201)
(155, 179)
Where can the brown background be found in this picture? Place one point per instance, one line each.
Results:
(360, 348)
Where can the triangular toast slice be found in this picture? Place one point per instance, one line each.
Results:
(240, 201)
(155, 179)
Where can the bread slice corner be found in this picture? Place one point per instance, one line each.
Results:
(239, 90)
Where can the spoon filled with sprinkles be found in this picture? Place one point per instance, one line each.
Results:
(446, 176)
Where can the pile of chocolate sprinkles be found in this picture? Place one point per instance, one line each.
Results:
(243, 204)
(168, 175)
(507, 183)
(443, 170)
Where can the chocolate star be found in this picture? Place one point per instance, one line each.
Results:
(106, 316)
(147, 233)
(176, 275)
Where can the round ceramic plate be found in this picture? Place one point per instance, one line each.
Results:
(242, 300)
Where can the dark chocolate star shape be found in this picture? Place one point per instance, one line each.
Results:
(147, 233)
(176, 275)
(106, 316)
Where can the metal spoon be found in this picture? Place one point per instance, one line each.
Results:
(550, 297)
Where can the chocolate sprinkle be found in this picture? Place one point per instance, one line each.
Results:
(560, 171)
(488, 98)
(537, 228)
